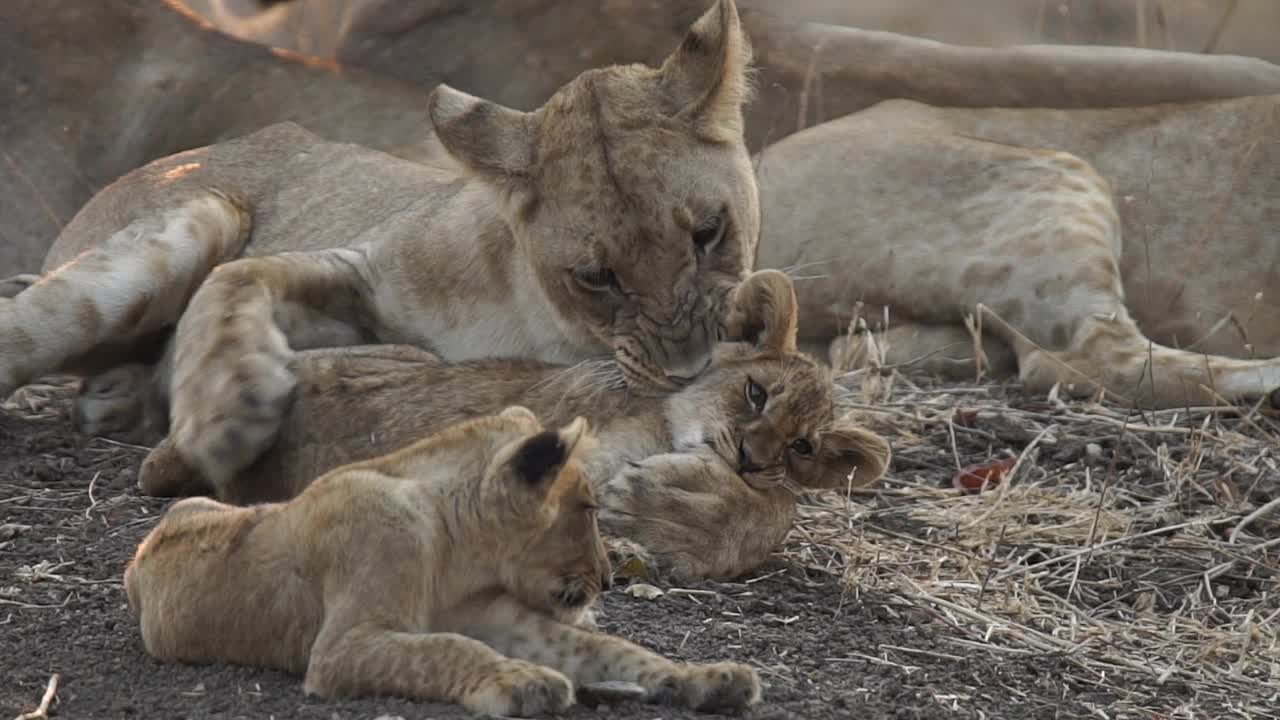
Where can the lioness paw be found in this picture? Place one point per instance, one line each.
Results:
(227, 410)
(715, 687)
(521, 689)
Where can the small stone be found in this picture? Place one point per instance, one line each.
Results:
(644, 591)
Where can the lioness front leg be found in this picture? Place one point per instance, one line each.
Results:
(591, 657)
(231, 377)
(694, 516)
(369, 659)
(94, 309)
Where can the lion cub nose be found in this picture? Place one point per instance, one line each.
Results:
(745, 464)
(687, 372)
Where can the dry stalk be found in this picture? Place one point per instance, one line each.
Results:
(42, 710)
(1122, 562)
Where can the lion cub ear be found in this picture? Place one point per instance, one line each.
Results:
(541, 457)
(522, 413)
(491, 139)
(706, 77)
(846, 450)
(765, 312)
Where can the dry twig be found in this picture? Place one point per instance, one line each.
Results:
(42, 711)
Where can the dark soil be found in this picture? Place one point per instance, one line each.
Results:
(72, 517)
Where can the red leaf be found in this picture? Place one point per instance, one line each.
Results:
(972, 478)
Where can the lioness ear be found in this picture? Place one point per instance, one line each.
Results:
(541, 456)
(490, 139)
(706, 77)
(842, 451)
(764, 312)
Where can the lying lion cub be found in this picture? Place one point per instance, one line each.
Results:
(699, 483)
(452, 570)
(696, 482)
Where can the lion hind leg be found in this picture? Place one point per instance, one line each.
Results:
(133, 284)
(1111, 353)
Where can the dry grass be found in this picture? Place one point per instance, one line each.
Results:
(1141, 548)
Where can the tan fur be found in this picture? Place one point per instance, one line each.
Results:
(934, 213)
(614, 219)
(701, 479)
(452, 570)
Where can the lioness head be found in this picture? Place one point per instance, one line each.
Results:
(768, 409)
(554, 558)
(631, 193)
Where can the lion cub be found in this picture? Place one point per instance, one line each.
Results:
(700, 482)
(451, 570)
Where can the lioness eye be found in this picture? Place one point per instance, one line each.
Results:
(708, 234)
(756, 395)
(595, 279)
(802, 447)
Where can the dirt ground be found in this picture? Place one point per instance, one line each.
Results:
(850, 620)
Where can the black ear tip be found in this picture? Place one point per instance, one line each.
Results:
(539, 455)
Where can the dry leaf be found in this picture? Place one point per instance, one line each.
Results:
(971, 479)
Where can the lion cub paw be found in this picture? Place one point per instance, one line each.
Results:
(521, 689)
(715, 687)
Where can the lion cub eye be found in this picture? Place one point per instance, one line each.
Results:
(708, 234)
(756, 395)
(595, 279)
(802, 447)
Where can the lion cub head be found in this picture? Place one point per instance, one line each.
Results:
(769, 410)
(631, 194)
(536, 495)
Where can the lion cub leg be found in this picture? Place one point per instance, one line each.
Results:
(372, 658)
(231, 379)
(590, 657)
(130, 286)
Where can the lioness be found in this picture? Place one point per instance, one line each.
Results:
(617, 217)
(452, 570)
(698, 482)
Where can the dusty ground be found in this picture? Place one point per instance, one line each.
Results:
(1084, 586)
